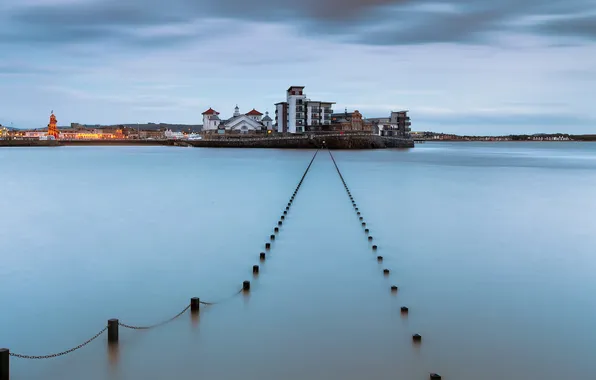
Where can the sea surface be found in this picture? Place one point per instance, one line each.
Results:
(492, 246)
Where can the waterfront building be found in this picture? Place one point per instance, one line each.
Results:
(397, 124)
(252, 121)
(169, 134)
(52, 126)
(350, 121)
(3, 132)
(300, 114)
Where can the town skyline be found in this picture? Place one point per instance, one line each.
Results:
(460, 66)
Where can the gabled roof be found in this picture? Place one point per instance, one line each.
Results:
(267, 118)
(254, 112)
(210, 111)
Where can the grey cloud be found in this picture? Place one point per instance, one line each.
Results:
(401, 21)
(580, 26)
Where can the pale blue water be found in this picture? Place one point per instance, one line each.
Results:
(491, 244)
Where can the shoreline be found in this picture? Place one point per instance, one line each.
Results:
(331, 141)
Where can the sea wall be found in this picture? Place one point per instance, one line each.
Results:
(28, 143)
(336, 141)
(305, 142)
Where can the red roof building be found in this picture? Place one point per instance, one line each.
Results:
(254, 112)
(210, 111)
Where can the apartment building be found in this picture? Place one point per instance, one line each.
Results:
(299, 114)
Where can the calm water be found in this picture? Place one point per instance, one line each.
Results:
(491, 244)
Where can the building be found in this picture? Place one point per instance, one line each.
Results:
(397, 124)
(169, 134)
(52, 126)
(252, 121)
(299, 114)
(353, 122)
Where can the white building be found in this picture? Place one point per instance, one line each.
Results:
(173, 135)
(397, 124)
(299, 114)
(243, 123)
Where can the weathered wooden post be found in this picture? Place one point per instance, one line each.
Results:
(195, 304)
(267, 245)
(246, 286)
(112, 331)
(4, 364)
(255, 269)
(272, 237)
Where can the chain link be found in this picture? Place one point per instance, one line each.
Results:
(155, 325)
(222, 300)
(59, 353)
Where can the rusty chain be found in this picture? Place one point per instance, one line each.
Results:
(59, 353)
(155, 325)
(222, 300)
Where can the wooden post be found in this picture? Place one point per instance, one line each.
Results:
(112, 331)
(4, 364)
(255, 269)
(246, 286)
(195, 304)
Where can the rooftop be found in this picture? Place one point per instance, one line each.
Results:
(210, 111)
(254, 112)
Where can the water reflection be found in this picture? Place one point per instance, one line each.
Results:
(113, 355)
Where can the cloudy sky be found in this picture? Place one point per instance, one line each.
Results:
(461, 66)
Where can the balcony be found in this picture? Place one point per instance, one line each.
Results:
(328, 110)
(316, 110)
(299, 109)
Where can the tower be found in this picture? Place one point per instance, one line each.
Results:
(52, 128)
(236, 111)
(267, 121)
(296, 109)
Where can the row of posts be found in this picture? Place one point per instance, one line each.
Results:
(113, 324)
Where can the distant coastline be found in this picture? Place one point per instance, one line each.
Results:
(539, 137)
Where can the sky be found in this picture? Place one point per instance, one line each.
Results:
(459, 66)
